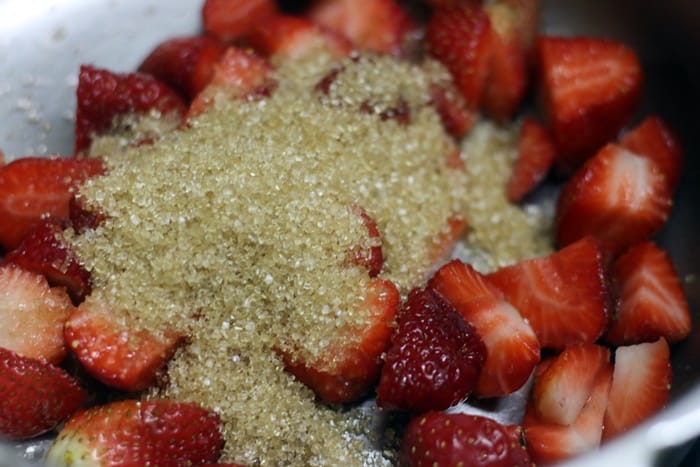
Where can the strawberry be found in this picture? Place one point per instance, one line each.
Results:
(445, 242)
(654, 139)
(370, 254)
(435, 356)
(590, 88)
(437, 438)
(378, 25)
(83, 215)
(456, 116)
(33, 315)
(130, 432)
(36, 187)
(550, 442)
(512, 349)
(114, 353)
(184, 63)
(228, 20)
(526, 15)
(563, 295)
(536, 155)
(350, 371)
(35, 396)
(651, 302)
(623, 198)
(460, 37)
(45, 252)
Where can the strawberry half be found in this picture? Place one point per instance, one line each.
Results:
(228, 20)
(369, 255)
(563, 295)
(590, 88)
(455, 228)
(36, 187)
(83, 215)
(456, 116)
(512, 349)
(33, 315)
(35, 396)
(440, 439)
(536, 155)
(139, 433)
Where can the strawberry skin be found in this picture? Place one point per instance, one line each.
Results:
(84, 216)
(456, 116)
(35, 396)
(536, 155)
(590, 88)
(36, 187)
(440, 439)
(228, 20)
(563, 295)
(623, 198)
(435, 357)
(139, 433)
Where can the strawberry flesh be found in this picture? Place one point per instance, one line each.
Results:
(536, 155)
(228, 20)
(456, 116)
(370, 255)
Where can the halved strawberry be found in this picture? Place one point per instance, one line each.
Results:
(44, 252)
(83, 215)
(590, 88)
(563, 295)
(184, 63)
(617, 197)
(511, 344)
(33, 314)
(456, 116)
(35, 396)
(654, 139)
(139, 433)
(111, 350)
(536, 154)
(370, 254)
(444, 244)
(641, 385)
(36, 187)
(228, 20)
(104, 96)
(349, 372)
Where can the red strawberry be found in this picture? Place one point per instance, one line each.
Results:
(349, 372)
(110, 350)
(35, 396)
(460, 37)
(139, 433)
(435, 356)
(651, 302)
(550, 442)
(228, 20)
(104, 96)
(84, 216)
(617, 197)
(536, 154)
(378, 25)
(641, 385)
(36, 187)
(456, 116)
(563, 295)
(590, 89)
(184, 63)
(455, 439)
(45, 252)
(511, 345)
(32, 314)
(526, 13)
(369, 255)
(654, 139)
(445, 242)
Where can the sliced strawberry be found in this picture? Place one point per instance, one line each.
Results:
(641, 385)
(33, 315)
(511, 344)
(526, 14)
(228, 20)
(45, 252)
(35, 396)
(549, 442)
(349, 372)
(590, 88)
(617, 197)
(456, 116)
(443, 246)
(83, 215)
(654, 139)
(440, 439)
(369, 255)
(435, 357)
(109, 349)
(184, 63)
(36, 187)
(139, 433)
(536, 154)
(561, 391)
(460, 37)
(104, 97)
(563, 295)
(378, 25)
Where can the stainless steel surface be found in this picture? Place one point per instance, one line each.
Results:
(43, 42)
